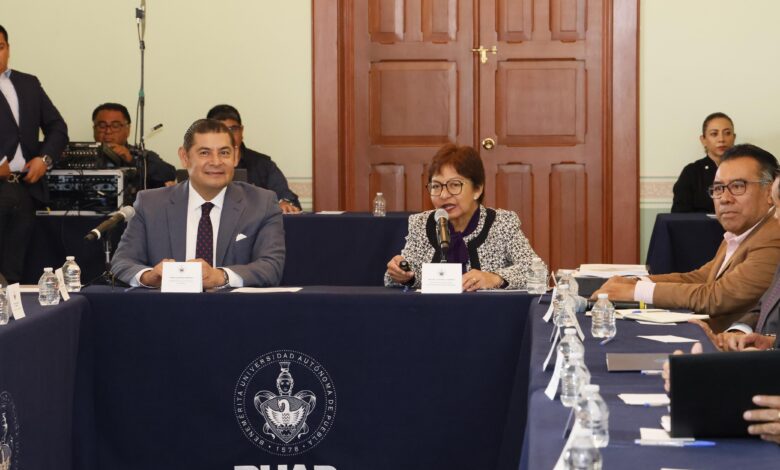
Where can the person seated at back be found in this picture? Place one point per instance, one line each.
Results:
(690, 190)
(261, 170)
(111, 126)
(742, 269)
(487, 242)
(233, 229)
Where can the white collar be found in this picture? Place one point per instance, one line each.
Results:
(195, 200)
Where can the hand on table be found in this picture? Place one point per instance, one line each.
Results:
(617, 288)
(725, 341)
(153, 277)
(695, 349)
(768, 418)
(476, 279)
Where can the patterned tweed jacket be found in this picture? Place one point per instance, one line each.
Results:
(497, 245)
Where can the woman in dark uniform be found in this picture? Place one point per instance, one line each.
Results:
(690, 190)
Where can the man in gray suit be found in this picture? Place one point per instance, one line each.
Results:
(179, 223)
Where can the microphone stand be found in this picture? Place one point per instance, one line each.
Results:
(142, 163)
(107, 278)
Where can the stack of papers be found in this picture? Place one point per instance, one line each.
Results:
(645, 399)
(657, 315)
(609, 270)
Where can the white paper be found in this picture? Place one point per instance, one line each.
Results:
(548, 315)
(669, 339)
(182, 277)
(658, 316)
(14, 296)
(63, 287)
(609, 270)
(652, 434)
(266, 290)
(552, 387)
(552, 349)
(644, 399)
(331, 212)
(442, 278)
(666, 423)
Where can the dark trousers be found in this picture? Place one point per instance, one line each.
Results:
(17, 218)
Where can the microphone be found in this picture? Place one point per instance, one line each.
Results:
(123, 214)
(442, 230)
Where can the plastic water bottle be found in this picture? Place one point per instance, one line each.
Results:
(574, 376)
(603, 315)
(567, 277)
(48, 288)
(379, 205)
(592, 414)
(563, 312)
(537, 281)
(71, 273)
(582, 454)
(570, 345)
(5, 307)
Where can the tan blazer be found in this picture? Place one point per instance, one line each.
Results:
(736, 290)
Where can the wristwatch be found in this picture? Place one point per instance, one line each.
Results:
(48, 161)
(226, 278)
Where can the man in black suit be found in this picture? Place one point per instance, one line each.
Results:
(25, 109)
(261, 170)
(111, 126)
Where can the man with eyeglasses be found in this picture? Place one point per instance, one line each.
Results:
(261, 170)
(25, 110)
(111, 126)
(742, 269)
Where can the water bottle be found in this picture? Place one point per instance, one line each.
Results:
(570, 345)
(379, 205)
(537, 281)
(603, 316)
(574, 376)
(5, 307)
(567, 277)
(71, 273)
(563, 311)
(592, 414)
(582, 454)
(48, 288)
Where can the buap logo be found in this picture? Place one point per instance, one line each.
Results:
(9, 433)
(297, 415)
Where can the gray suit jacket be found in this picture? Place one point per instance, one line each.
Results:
(772, 307)
(159, 227)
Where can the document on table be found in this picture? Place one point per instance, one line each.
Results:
(644, 399)
(657, 315)
(330, 212)
(668, 338)
(609, 270)
(266, 290)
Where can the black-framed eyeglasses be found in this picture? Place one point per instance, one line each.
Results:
(454, 187)
(736, 188)
(235, 128)
(113, 125)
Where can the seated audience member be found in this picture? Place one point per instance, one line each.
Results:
(233, 229)
(487, 242)
(690, 190)
(261, 170)
(733, 281)
(111, 126)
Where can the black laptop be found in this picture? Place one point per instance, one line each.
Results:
(710, 392)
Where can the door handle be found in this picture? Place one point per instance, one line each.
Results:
(484, 52)
(488, 143)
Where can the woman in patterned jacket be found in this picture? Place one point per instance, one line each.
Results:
(487, 242)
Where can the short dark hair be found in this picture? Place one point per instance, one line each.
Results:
(712, 116)
(222, 112)
(112, 107)
(465, 160)
(205, 126)
(4, 33)
(766, 160)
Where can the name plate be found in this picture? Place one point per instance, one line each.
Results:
(63, 288)
(14, 295)
(182, 277)
(442, 278)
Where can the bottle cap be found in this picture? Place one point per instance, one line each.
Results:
(378, 194)
(570, 331)
(563, 286)
(590, 388)
(603, 296)
(48, 270)
(70, 258)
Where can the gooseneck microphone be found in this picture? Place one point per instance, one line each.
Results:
(442, 232)
(123, 214)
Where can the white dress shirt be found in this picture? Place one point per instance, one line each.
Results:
(644, 289)
(194, 208)
(8, 90)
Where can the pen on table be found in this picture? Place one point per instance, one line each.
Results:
(602, 343)
(651, 372)
(644, 442)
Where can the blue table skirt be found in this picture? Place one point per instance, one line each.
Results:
(422, 381)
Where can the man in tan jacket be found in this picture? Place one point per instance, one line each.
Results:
(746, 260)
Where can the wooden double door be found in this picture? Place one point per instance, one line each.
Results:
(529, 83)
